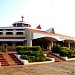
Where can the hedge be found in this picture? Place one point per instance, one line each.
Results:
(63, 51)
(32, 54)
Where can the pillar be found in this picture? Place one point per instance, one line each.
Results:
(14, 45)
(51, 43)
(49, 46)
(69, 45)
(14, 33)
(29, 42)
(29, 37)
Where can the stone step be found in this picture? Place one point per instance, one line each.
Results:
(16, 60)
(3, 61)
(8, 59)
(57, 59)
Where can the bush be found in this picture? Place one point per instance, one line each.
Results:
(63, 51)
(25, 49)
(42, 57)
(35, 48)
(47, 59)
(32, 58)
(19, 49)
(31, 53)
(25, 57)
(36, 53)
(56, 49)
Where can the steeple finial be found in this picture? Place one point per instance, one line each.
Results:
(22, 18)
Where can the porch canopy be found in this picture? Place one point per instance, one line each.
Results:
(37, 33)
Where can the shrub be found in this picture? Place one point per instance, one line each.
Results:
(19, 49)
(31, 53)
(47, 59)
(23, 49)
(32, 58)
(42, 57)
(56, 49)
(36, 59)
(36, 53)
(25, 57)
(63, 51)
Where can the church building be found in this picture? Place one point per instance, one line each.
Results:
(21, 33)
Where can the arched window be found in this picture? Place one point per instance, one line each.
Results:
(1, 33)
(19, 33)
(9, 33)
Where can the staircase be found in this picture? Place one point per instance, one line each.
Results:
(57, 59)
(15, 59)
(3, 61)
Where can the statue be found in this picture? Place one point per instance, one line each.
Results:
(5, 47)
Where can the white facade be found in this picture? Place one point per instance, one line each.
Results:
(14, 35)
(22, 34)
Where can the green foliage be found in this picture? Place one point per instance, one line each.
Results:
(32, 58)
(31, 54)
(47, 59)
(63, 51)
(42, 57)
(25, 57)
(56, 49)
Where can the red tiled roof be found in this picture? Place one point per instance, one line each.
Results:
(48, 33)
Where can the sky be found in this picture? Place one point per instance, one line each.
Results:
(59, 14)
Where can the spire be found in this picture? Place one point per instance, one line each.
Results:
(22, 18)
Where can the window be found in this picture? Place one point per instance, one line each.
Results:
(25, 25)
(1, 29)
(1, 33)
(19, 24)
(9, 33)
(19, 33)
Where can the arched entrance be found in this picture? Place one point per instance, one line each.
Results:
(45, 43)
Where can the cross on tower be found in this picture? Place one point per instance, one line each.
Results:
(22, 18)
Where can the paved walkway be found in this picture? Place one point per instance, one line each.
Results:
(56, 68)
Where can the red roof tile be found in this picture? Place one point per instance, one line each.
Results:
(48, 33)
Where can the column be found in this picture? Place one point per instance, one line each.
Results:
(14, 32)
(29, 38)
(29, 42)
(4, 33)
(51, 43)
(69, 45)
(13, 45)
(49, 46)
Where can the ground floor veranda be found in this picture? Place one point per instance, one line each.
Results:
(46, 43)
